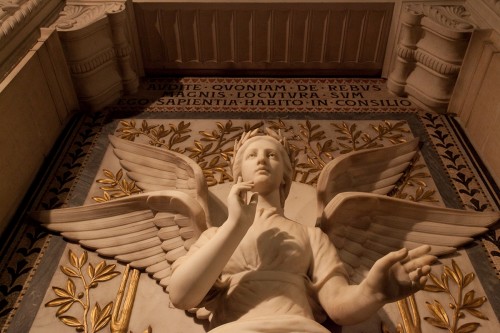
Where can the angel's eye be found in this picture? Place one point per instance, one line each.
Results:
(251, 155)
(272, 155)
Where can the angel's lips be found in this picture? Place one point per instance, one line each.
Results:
(262, 171)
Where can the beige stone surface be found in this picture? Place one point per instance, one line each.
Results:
(476, 100)
(35, 103)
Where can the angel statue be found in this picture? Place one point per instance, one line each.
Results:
(260, 271)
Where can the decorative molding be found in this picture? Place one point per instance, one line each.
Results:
(430, 53)
(332, 37)
(20, 23)
(434, 63)
(13, 13)
(74, 17)
(453, 17)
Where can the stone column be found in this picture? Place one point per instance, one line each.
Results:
(97, 45)
(432, 45)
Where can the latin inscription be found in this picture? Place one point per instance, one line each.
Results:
(370, 95)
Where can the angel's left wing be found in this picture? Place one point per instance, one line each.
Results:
(373, 170)
(366, 226)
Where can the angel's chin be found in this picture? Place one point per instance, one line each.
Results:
(264, 185)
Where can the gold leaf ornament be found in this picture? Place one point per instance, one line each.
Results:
(100, 318)
(69, 296)
(460, 302)
(440, 317)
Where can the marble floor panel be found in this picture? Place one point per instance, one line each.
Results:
(48, 284)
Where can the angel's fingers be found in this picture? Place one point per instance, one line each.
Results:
(424, 260)
(240, 187)
(387, 261)
(415, 274)
(418, 284)
(417, 252)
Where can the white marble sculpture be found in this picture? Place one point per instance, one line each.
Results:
(260, 271)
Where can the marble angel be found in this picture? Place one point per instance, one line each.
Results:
(260, 271)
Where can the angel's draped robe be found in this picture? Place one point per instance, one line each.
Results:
(270, 283)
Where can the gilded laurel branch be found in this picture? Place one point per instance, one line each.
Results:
(310, 144)
(168, 137)
(115, 186)
(69, 296)
(353, 139)
(462, 301)
(414, 177)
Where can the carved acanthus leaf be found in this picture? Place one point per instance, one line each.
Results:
(78, 16)
(453, 17)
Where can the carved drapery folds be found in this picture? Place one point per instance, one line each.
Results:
(96, 39)
(431, 49)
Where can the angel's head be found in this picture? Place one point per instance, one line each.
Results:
(264, 160)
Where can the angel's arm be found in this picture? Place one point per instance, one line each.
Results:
(393, 277)
(192, 280)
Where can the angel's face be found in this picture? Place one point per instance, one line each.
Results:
(262, 163)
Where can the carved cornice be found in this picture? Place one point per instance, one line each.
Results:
(13, 13)
(74, 16)
(453, 17)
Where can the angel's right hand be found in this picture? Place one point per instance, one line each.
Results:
(240, 210)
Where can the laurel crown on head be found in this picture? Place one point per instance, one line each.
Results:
(292, 155)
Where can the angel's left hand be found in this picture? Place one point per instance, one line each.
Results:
(399, 274)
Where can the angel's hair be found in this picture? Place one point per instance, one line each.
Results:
(286, 182)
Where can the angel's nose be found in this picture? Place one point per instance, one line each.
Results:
(261, 157)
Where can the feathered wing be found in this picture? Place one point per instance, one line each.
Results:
(155, 169)
(150, 230)
(366, 226)
(372, 170)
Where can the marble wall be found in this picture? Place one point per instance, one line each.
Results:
(36, 100)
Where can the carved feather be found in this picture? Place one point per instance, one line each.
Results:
(366, 226)
(373, 170)
(165, 224)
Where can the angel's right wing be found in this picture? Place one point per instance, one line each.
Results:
(373, 170)
(149, 231)
(365, 226)
(158, 169)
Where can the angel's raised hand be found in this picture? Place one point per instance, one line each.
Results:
(240, 209)
(400, 273)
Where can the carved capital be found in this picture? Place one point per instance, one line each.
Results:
(77, 16)
(453, 17)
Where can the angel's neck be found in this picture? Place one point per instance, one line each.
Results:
(270, 200)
